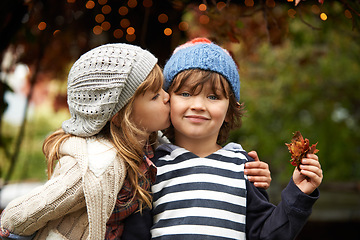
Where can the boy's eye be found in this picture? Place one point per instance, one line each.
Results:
(156, 96)
(213, 97)
(185, 94)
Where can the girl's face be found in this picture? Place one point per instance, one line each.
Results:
(200, 114)
(151, 111)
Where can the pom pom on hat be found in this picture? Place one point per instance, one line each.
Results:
(101, 82)
(201, 53)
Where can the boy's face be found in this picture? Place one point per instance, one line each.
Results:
(151, 111)
(198, 115)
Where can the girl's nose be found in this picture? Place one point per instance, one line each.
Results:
(166, 96)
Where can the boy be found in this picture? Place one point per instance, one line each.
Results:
(201, 191)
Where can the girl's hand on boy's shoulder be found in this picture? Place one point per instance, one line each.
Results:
(310, 175)
(258, 172)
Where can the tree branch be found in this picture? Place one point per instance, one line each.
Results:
(307, 24)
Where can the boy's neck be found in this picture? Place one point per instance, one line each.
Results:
(201, 148)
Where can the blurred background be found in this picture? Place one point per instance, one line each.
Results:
(299, 65)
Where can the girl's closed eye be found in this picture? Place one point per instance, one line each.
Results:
(156, 96)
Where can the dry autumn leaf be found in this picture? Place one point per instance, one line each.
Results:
(299, 147)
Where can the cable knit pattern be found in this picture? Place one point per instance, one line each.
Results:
(101, 82)
(73, 204)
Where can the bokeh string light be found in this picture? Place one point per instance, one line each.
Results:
(101, 25)
(167, 31)
(130, 30)
(221, 5)
(97, 30)
(102, 2)
(42, 26)
(124, 23)
(163, 18)
(105, 26)
(132, 3)
(106, 9)
(90, 4)
(202, 7)
(99, 18)
(348, 14)
(183, 26)
(118, 33)
(249, 3)
(123, 10)
(147, 3)
(323, 16)
(204, 19)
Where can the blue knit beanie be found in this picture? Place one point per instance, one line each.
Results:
(201, 53)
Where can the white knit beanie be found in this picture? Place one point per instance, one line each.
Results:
(101, 82)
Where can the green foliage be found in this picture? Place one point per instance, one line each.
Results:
(31, 163)
(310, 84)
(308, 80)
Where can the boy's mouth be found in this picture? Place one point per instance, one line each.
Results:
(196, 118)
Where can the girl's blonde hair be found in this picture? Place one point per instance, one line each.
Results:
(125, 135)
(218, 82)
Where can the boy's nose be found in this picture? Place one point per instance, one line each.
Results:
(197, 103)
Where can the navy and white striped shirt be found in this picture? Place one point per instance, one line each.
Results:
(203, 198)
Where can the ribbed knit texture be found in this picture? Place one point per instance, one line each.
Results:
(200, 198)
(73, 204)
(200, 53)
(101, 82)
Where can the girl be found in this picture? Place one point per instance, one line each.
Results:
(113, 91)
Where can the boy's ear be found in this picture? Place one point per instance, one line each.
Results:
(227, 117)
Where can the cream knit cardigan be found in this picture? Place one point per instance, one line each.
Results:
(77, 201)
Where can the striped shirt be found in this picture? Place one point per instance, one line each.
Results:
(199, 198)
